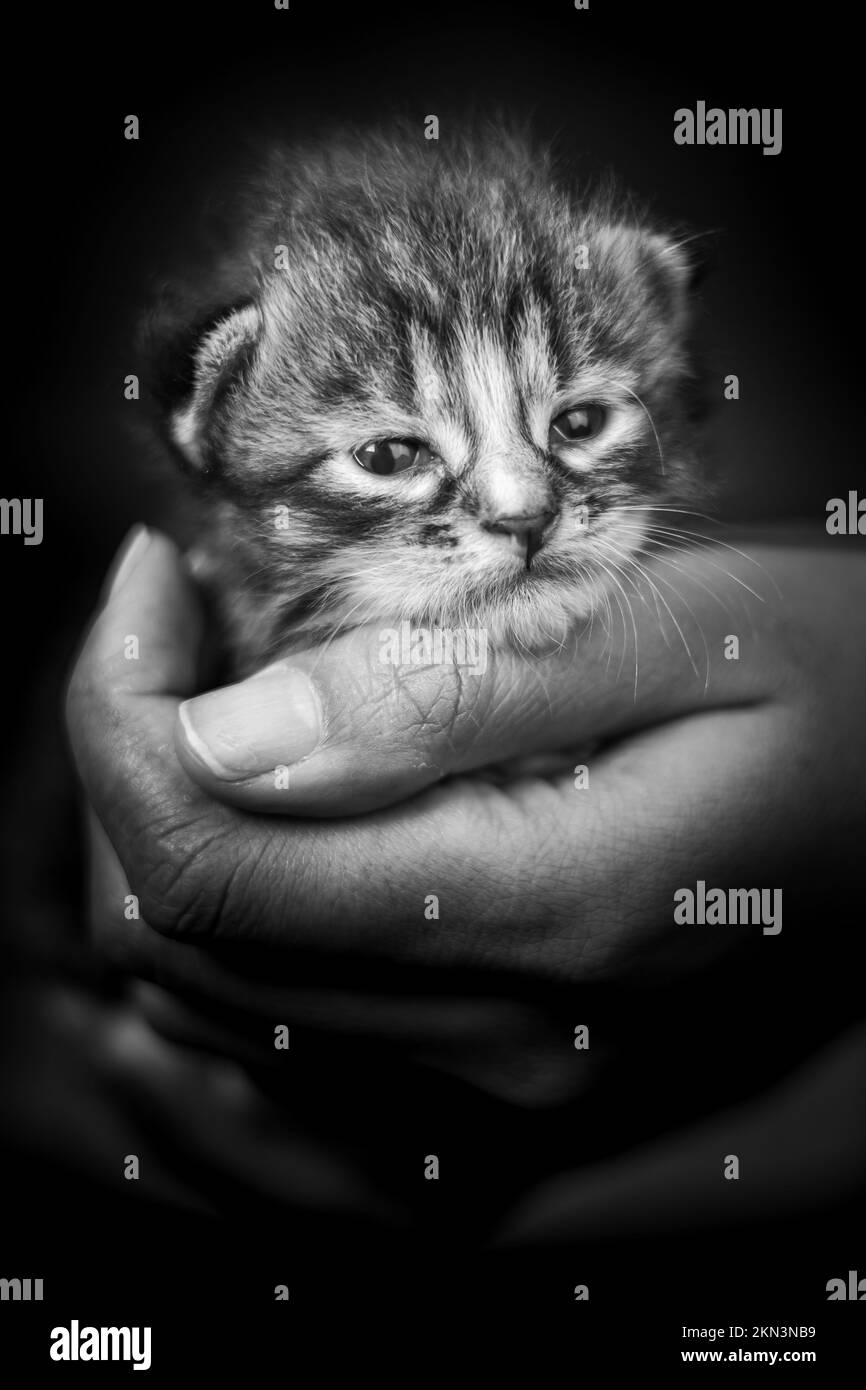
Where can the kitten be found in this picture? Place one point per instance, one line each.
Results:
(427, 381)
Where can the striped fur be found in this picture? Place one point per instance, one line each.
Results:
(430, 293)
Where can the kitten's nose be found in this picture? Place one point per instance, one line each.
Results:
(528, 528)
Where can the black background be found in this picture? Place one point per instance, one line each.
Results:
(95, 219)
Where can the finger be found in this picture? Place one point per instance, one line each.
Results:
(563, 884)
(502, 1047)
(255, 1006)
(231, 1131)
(527, 1066)
(789, 1140)
(137, 662)
(379, 727)
(182, 1022)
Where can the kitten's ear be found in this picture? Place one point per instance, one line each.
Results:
(666, 266)
(221, 360)
(195, 367)
(670, 261)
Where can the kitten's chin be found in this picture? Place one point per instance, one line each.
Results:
(538, 627)
(535, 618)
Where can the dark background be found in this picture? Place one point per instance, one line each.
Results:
(99, 218)
(96, 220)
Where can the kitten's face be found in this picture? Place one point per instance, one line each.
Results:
(452, 405)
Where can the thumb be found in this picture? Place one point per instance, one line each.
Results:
(136, 663)
(358, 724)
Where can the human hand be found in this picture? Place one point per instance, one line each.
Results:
(540, 886)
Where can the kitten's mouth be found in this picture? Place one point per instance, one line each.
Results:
(528, 576)
(525, 537)
(525, 547)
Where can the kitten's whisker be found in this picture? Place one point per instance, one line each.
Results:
(656, 507)
(710, 540)
(695, 236)
(650, 532)
(633, 561)
(673, 617)
(604, 600)
(631, 616)
(617, 590)
(652, 425)
(658, 611)
(726, 608)
(610, 576)
(601, 605)
(341, 627)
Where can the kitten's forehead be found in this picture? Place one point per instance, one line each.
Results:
(481, 393)
(374, 278)
(459, 314)
(469, 347)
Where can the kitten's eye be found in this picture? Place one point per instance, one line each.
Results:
(574, 425)
(385, 456)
